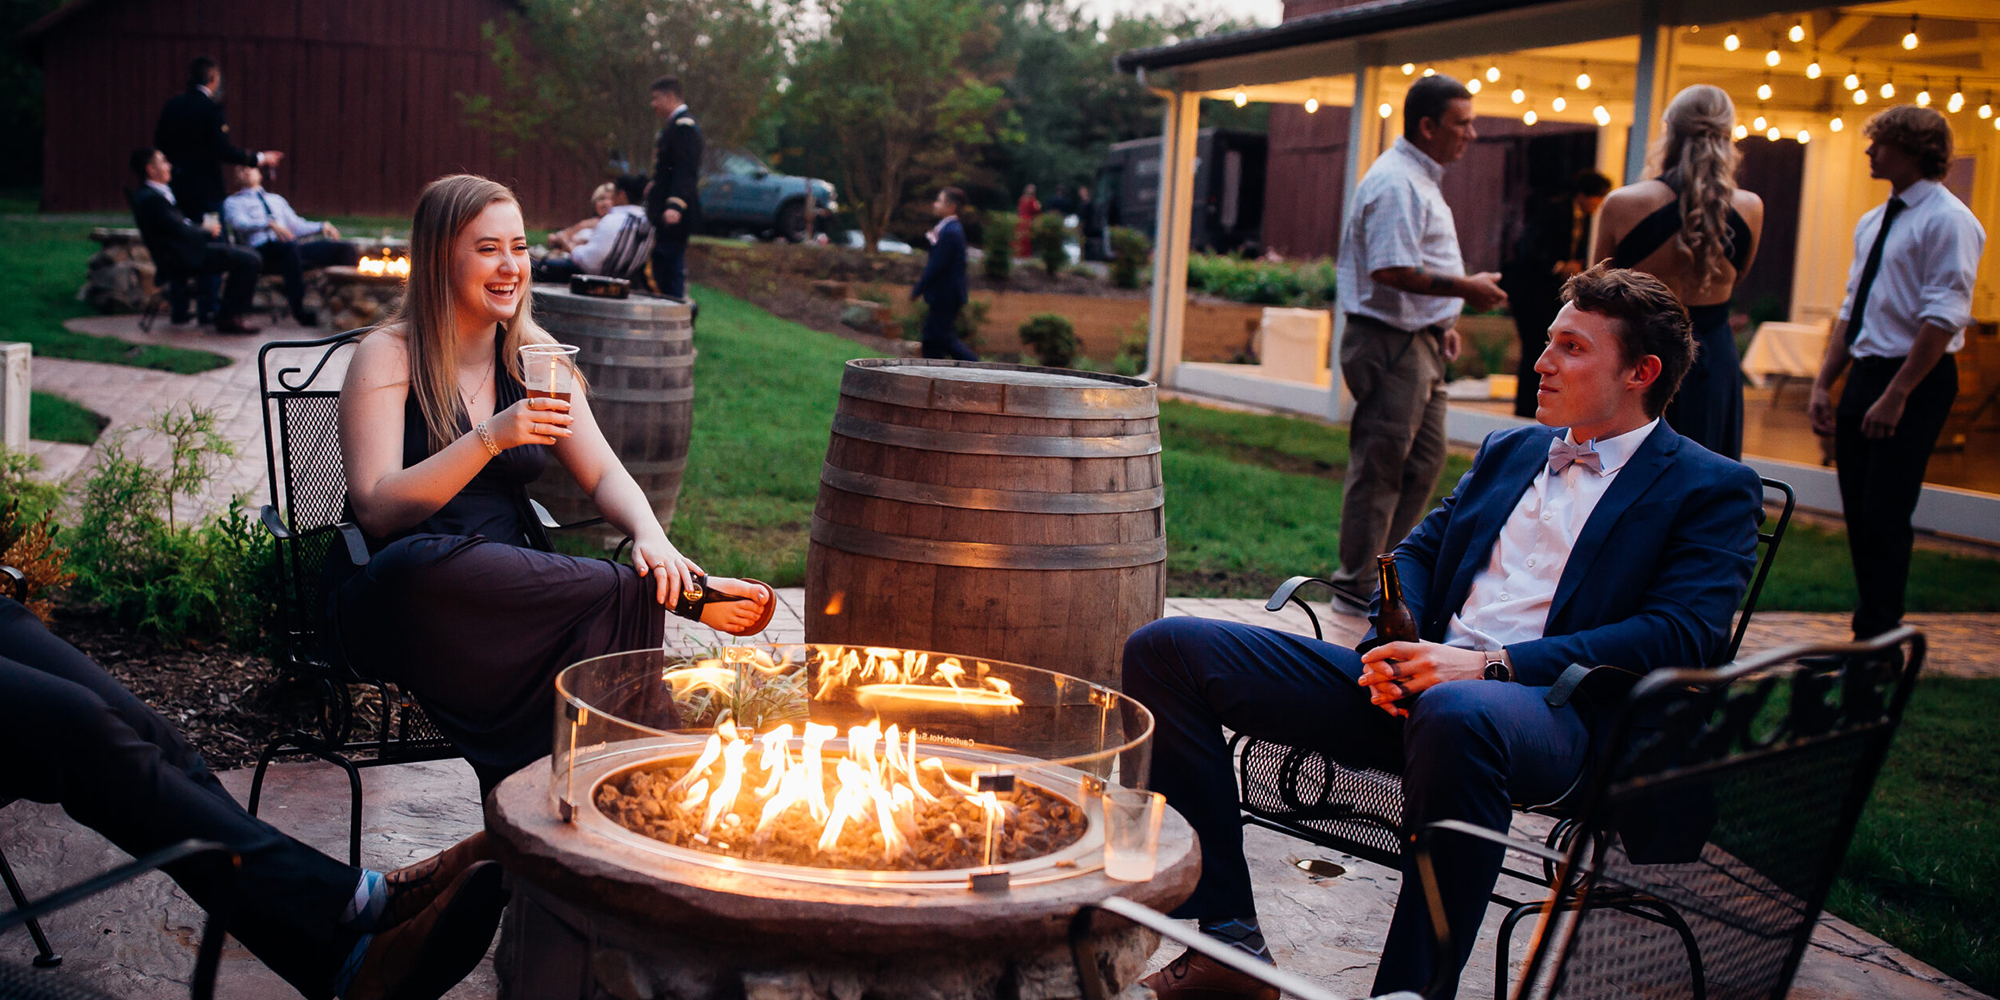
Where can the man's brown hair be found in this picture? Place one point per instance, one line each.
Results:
(1920, 132)
(1651, 321)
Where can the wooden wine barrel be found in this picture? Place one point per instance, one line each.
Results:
(990, 510)
(638, 356)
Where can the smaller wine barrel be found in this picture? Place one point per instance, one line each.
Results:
(637, 354)
(989, 510)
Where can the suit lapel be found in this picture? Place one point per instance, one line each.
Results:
(1490, 514)
(1652, 458)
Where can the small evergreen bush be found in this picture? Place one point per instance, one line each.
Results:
(1051, 339)
(1049, 238)
(971, 320)
(1130, 253)
(999, 246)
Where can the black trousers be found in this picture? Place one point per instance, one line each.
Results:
(74, 736)
(292, 259)
(1881, 480)
(670, 265)
(940, 336)
(240, 264)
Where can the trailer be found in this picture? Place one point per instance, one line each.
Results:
(1228, 189)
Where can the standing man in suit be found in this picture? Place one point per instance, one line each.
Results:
(182, 248)
(1909, 299)
(942, 285)
(1599, 537)
(673, 202)
(1554, 245)
(194, 134)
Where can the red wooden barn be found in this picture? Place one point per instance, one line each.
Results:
(358, 93)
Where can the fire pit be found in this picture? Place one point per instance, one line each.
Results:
(820, 821)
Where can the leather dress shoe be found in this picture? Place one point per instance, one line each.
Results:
(414, 887)
(1195, 976)
(428, 954)
(234, 324)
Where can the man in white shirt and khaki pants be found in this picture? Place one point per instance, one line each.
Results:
(1909, 299)
(1402, 285)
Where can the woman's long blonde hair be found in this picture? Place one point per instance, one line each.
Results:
(446, 207)
(1696, 146)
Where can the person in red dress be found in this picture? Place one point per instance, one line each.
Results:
(1025, 212)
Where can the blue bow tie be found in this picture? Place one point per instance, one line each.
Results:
(1562, 454)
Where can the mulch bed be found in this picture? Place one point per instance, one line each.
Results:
(228, 702)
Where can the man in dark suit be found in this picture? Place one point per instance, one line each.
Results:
(942, 285)
(1599, 538)
(194, 133)
(1554, 245)
(183, 249)
(673, 202)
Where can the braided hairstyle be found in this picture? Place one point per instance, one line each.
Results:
(1696, 147)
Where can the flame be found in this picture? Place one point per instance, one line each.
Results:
(384, 266)
(905, 678)
(879, 783)
(833, 604)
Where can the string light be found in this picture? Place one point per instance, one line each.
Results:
(1492, 74)
(1812, 68)
(1429, 71)
(1924, 95)
(1741, 132)
(1861, 97)
(1956, 103)
(1529, 118)
(1603, 117)
(1583, 76)
(1764, 90)
(1804, 137)
(1731, 42)
(1772, 134)
(1473, 85)
(1559, 103)
(1758, 123)
(1910, 40)
(1409, 68)
(1520, 95)
(1853, 81)
(1798, 33)
(1986, 110)
(1242, 98)
(1312, 105)
(1836, 124)
(1771, 57)
(1385, 110)
(1889, 88)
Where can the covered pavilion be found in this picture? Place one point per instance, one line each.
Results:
(1806, 75)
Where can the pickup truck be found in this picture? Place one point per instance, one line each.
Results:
(743, 193)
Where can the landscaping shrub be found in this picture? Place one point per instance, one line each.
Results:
(1131, 252)
(971, 320)
(1048, 238)
(182, 582)
(27, 531)
(1051, 339)
(1131, 357)
(999, 245)
(1269, 283)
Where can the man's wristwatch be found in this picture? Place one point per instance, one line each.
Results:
(1497, 667)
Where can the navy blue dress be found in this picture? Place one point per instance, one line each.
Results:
(472, 614)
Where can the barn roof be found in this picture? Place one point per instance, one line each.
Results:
(1347, 22)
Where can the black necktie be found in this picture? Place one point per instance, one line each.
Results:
(1868, 270)
(270, 218)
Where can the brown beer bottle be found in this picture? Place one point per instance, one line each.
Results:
(1394, 622)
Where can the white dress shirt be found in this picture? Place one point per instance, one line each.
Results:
(1509, 600)
(619, 243)
(1928, 265)
(252, 212)
(165, 190)
(1399, 219)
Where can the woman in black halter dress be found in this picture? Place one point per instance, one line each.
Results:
(1693, 229)
(461, 602)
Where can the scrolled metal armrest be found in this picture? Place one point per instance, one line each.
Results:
(273, 523)
(1288, 588)
(550, 523)
(357, 546)
(17, 582)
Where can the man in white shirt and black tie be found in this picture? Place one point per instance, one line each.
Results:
(289, 245)
(1909, 299)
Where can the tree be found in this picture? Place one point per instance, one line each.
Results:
(883, 90)
(576, 73)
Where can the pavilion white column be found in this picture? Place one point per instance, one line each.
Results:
(1364, 135)
(1171, 231)
(1648, 88)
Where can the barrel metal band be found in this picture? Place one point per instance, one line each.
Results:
(970, 443)
(987, 555)
(639, 361)
(644, 335)
(968, 498)
(680, 395)
(906, 386)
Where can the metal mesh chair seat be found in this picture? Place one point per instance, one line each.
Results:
(1309, 795)
(19, 982)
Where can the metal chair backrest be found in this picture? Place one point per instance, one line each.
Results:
(1726, 805)
(1768, 539)
(308, 484)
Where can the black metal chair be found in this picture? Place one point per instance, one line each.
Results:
(308, 519)
(1740, 787)
(1305, 794)
(1711, 832)
(21, 983)
(45, 956)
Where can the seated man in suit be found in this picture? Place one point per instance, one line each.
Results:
(74, 736)
(618, 246)
(182, 248)
(267, 223)
(1599, 538)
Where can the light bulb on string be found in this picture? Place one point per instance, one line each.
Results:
(1529, 117)
(1986, 110)
(1583, 76)
(1492, 74)
(1798, 32)
(1473, 86)
(1241, 99)
(1559, 103)
(1861, 97)
(1956, 102)
(1741, 132)
(1409, 68)
(1771, 58)
(1758, 123)
(1812, 68)
(1853, 80)
(1731, 42)
(1602, 115)
(1520, 95)
(1804, 137)
(1312, 105)
(1428, 71)
(1385, 110)
(1772, 134)
(1889, 88)
(1836, 124)
(1924, 95)
(1910, 40)
(1764, 91)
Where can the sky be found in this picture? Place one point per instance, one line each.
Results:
(1261, 11)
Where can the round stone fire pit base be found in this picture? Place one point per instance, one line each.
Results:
(593, 917)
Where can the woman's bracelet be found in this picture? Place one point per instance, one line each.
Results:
(486, 438)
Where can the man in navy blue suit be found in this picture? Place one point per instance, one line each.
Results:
(1599, 538)
(942, 286)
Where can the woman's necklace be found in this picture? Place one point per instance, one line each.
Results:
(484, 378)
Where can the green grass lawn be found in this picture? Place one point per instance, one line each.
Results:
(53, 418)
(42, 263)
